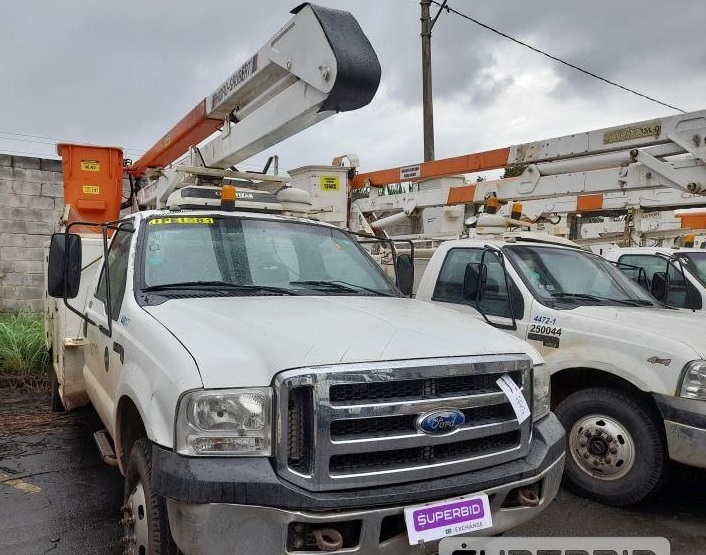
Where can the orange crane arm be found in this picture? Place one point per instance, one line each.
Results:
(467, 163)
(191, 130)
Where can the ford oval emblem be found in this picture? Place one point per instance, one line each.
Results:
(438, 422)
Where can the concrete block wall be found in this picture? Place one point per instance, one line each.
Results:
(31, 202)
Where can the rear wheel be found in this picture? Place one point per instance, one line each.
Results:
(616, 451)
(145, 526)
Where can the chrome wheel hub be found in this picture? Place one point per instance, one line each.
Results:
(602, 447)
(134, 521)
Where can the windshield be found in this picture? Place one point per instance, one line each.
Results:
(573, 276)
(696, 263)
(247, 256)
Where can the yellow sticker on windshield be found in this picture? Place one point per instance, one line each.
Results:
(180, 220)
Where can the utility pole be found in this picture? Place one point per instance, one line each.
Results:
(427, 101)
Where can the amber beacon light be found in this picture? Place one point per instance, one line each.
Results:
(228, 198)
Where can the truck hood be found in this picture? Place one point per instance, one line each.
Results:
(245, 341)
(652, 326)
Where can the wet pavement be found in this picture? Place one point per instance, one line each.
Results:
(57, 496)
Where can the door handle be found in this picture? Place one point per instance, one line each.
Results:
(118, 348)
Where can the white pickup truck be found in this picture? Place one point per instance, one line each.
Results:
(628, 374)
(267, 389)
(675, 276)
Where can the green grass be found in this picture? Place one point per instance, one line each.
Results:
(22, 350)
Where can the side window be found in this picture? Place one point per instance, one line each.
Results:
(649, 263)
(496, 301)
(118, 253)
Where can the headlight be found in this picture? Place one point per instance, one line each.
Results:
(693, 381)
(541, 391)
(225, 422)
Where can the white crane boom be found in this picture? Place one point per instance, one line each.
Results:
(320, 63)
(645, 163)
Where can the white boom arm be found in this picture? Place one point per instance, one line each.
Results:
(318, 64)
(645, 164)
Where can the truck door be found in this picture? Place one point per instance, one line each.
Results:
(499, 294)
(105, 353)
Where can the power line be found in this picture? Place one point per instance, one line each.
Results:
(13, 152)
(48, 140)
(555, 58)
(52, 141)
(47, 143)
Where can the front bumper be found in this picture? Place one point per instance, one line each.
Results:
(685, 427)
(237, 506)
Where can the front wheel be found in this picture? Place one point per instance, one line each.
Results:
(145, 526)
(616, 451)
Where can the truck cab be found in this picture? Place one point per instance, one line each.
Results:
(628, 373)
(266, 388)
(674, 276)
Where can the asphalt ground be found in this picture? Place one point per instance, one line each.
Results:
(57, 496)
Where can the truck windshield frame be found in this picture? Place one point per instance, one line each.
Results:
(252, 256)
(537, 267)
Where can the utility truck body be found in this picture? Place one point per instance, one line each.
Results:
(628, 374)
(266, 388)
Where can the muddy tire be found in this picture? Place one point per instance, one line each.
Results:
(56, 403)
(144, 512)
(616, 451)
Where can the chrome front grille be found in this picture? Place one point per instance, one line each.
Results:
(401, 459)
(354, 425)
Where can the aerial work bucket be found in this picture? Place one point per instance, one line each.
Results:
(93, 181)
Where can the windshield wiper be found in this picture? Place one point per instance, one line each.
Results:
(219, 286)
(596, 298)
(341, 286)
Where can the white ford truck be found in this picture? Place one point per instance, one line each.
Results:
(267, 389)
(628, 374)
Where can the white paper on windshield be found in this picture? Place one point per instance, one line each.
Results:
(515, 396)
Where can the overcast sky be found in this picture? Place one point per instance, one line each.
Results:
(123, 73)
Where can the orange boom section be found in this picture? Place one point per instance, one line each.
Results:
(468, 163)
(696, 219)
(93, 182)
(191, 130)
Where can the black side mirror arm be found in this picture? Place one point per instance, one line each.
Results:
(498, 253)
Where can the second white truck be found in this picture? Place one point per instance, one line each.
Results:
(628, 374)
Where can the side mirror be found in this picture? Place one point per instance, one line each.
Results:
(404, 272)
(474, 280)
(64, 269)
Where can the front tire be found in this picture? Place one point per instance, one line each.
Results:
(145, 525)
(616, 452)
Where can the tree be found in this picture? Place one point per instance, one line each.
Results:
(513, 170)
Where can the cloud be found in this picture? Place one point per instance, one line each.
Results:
(106, 74)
